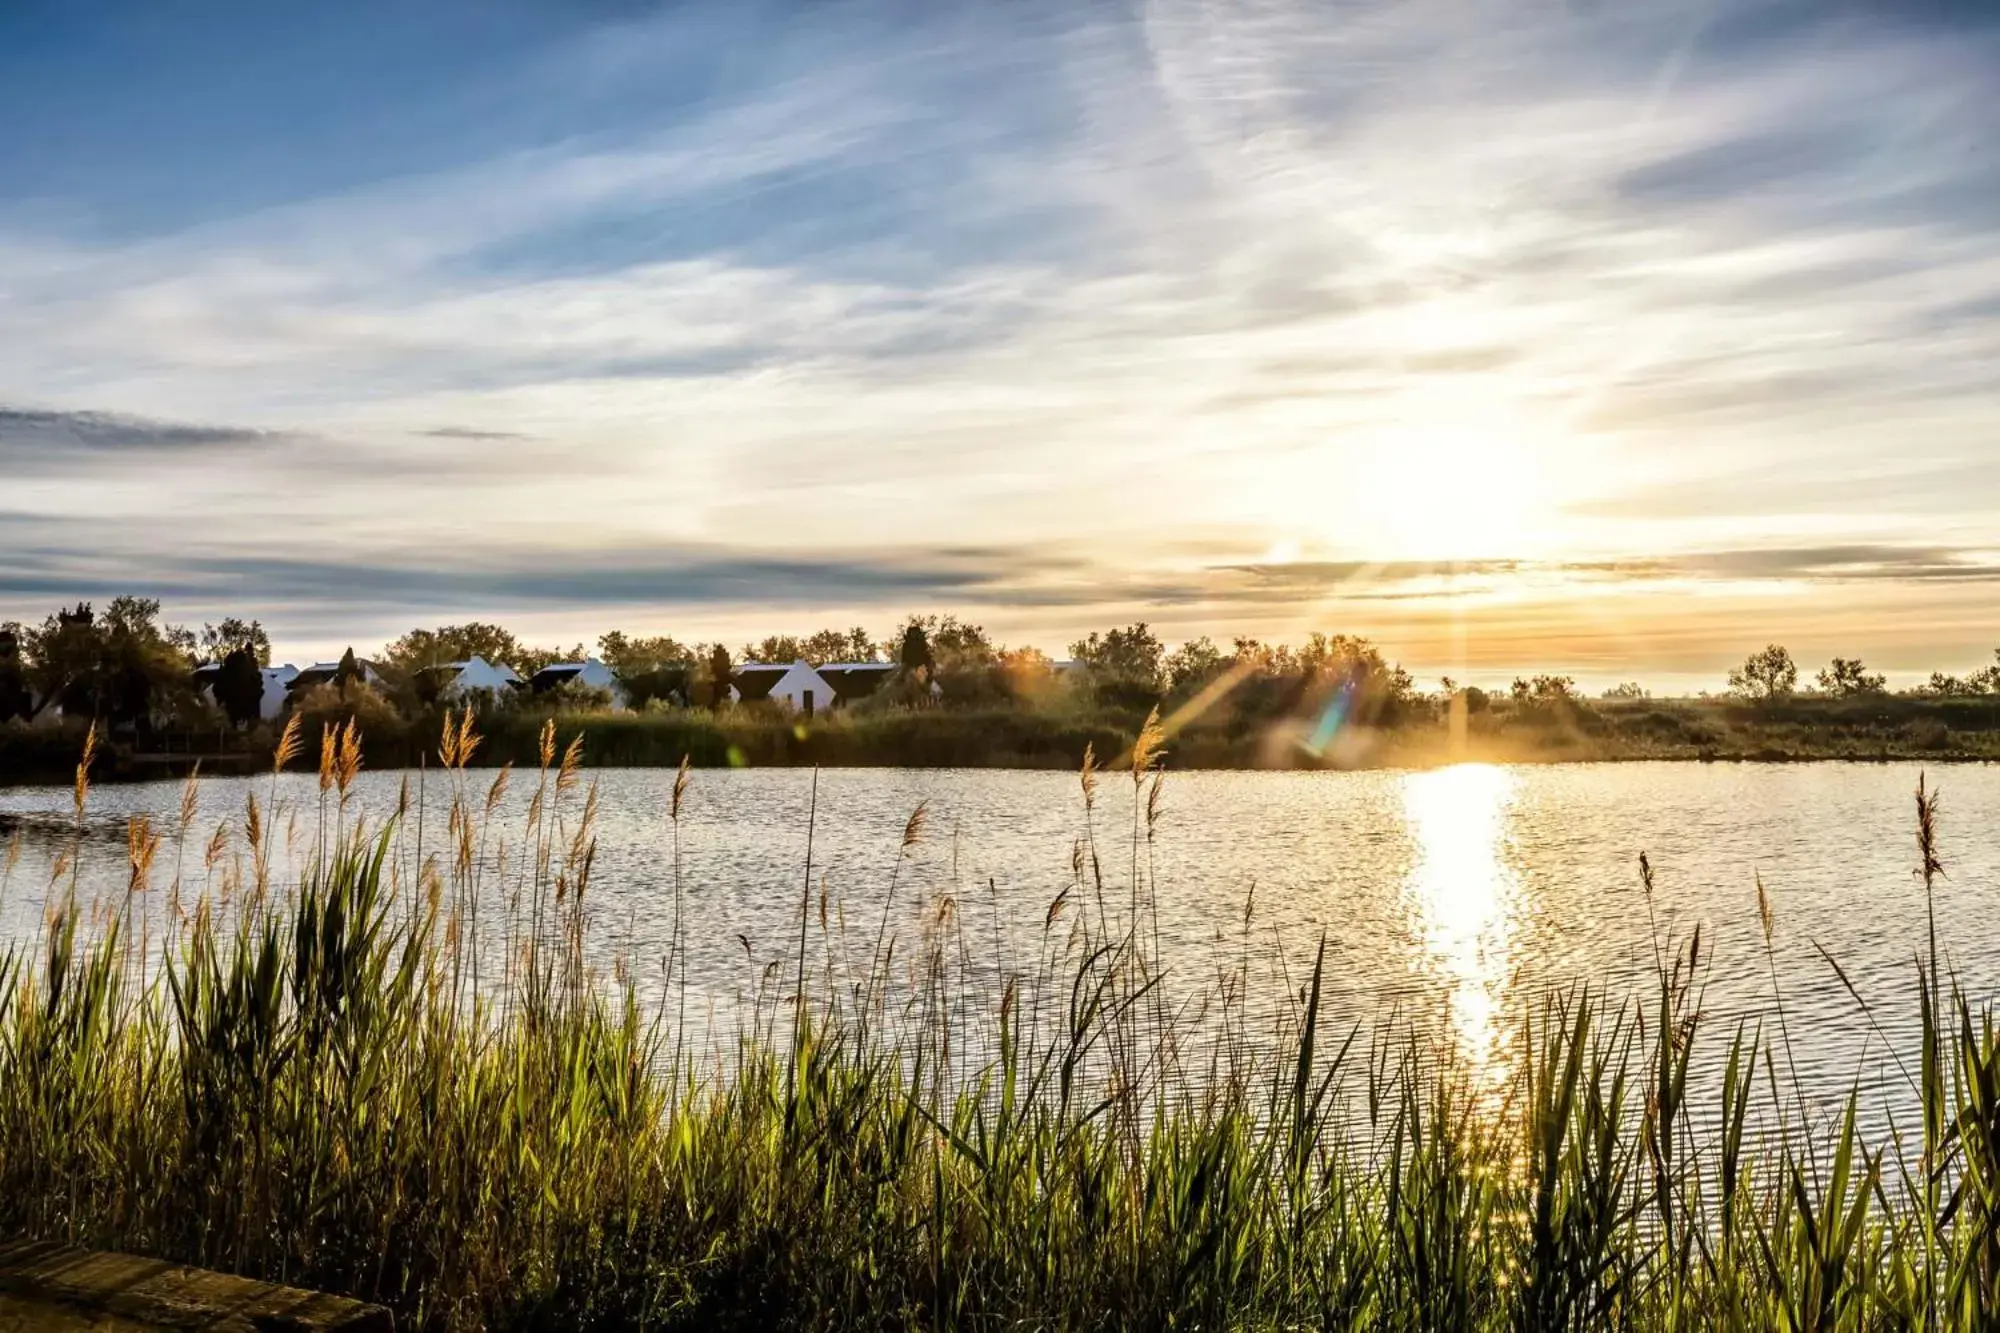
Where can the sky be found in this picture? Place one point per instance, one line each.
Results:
(1614, 339)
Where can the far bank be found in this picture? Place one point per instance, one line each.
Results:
(1804, 728)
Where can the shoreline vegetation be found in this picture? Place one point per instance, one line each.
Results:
(937, 693)
(1802, 729)
(307, 1079)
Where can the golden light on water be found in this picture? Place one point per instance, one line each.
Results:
(1464, 898)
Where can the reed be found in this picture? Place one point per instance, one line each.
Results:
(314, 1083)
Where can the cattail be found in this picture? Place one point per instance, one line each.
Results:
(1089, 776)
(913, 827)
(548, 743)
(1153, 806)
(218, 846)
(1764, 912)
(328, 757)
(253, 823)
(448, 743)
(680, 788)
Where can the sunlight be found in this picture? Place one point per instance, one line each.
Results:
(1458, 480)
(1464, 898)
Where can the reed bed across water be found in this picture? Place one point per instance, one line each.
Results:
(307, 1078)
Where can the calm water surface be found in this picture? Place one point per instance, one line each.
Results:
(1448, 897)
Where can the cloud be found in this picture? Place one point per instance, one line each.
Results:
(1066, 279)
(469, 433)
(53, 441)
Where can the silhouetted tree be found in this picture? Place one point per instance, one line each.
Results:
(239, 686)
(1846, 678)
(15, 698)
(914, 656)
(218, 641)
(347, 674)
(1766, 676)
(713, 689)
(119, 666)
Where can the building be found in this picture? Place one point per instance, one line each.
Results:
(589, 673)
(277, 686)
(798, 688)
(462, 682)
(852, 681)
(323, 673)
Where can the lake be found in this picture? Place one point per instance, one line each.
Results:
(1447, 896)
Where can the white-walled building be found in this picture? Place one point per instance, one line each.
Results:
(798, 687)
(458, 682)
(589, 673)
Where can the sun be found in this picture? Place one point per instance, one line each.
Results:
(1447, 486)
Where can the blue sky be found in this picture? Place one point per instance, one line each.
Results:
(1608, 338)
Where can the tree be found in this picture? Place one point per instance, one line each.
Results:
(527, 661)
(712, 687)
(1846, 678)
(219, 641)
(1630, 692)
(1194, 664)
(1988, 680)
(659, 667)
(120, 666)
(347, 674)
(780, 649)
(239, 686)
(816, 649)
(1122, 666)
(1766, 676)
(625, 654)
(914, 654)
(15, 698)
(1545, 690)
(422, 648)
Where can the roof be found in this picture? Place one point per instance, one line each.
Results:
(856, 680)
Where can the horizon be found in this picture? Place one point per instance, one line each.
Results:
(1510, 337)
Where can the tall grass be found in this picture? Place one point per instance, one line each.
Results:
(310, 1080)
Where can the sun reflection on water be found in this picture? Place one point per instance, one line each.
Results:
(1464, 899)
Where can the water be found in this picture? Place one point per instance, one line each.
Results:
(1446, 897)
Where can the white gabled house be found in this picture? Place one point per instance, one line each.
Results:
(798, 688)
(461, 682)
(589, 673)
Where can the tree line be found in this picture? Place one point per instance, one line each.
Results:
(124, 666)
